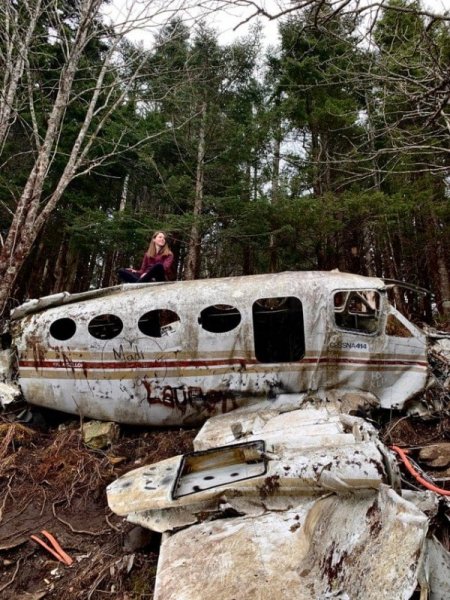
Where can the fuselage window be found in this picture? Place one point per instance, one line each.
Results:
(158, 323)
(357, 310)
(63, 329)
(219, 318)
(278, 329)
(105, 327)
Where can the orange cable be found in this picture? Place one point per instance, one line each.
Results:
(56, 551)
(66, 558)
(417, 476)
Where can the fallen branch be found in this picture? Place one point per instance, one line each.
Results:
(111, 524)
(101, 576)
(16, 514)
(102, 532)
(8, 583)
(5, 498)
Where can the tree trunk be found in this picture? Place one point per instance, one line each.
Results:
(193, 252)
(28, 221)
(15, 55)
(390, 272)
(273, 254)
(368, 250)
(111, 260)
(437, 264)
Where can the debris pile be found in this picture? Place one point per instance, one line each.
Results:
(305, 498)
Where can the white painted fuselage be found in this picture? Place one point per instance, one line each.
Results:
(177, 353)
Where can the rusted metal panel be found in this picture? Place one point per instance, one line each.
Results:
(438, 567)
(301, 503)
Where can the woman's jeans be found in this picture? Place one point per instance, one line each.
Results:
(156, 273)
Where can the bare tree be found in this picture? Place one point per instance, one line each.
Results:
(16, 36)
(370, 9)
(112, 79)
(193, 252)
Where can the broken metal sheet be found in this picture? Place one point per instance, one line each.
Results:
(439, 358)
(426, 501)
(321, 423)
(303, 452)
(9, 393)
(6, 361)
(346, 547)
(39, 304)
(357, 466)
(438, 563)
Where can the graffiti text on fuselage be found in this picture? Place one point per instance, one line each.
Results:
(129, 355)
(185, 396)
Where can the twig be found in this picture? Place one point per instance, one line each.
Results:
(44, 503)
(15, 515)
(102, 532)
(12, 578)
(392, 427)
(111, 524)
(5, 498)
(101, 576)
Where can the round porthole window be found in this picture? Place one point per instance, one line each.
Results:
(157, 323)
(105, 327)
(63, 329)
(219, 318)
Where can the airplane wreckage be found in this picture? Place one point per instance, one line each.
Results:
(288, 492)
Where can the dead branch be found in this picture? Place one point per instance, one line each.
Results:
(83, 531)
(5, 497)
(111, 524)
(8, 583)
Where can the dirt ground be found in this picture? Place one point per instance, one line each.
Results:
(49, 480)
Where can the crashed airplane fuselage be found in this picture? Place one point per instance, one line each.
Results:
(177, 353)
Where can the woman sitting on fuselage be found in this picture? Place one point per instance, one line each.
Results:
(156, 264)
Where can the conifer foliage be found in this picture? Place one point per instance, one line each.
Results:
(327, 148)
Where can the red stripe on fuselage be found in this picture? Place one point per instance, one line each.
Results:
(154, 364)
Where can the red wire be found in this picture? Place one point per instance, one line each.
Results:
(417, 475)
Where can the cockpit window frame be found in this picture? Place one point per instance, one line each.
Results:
(354, 317)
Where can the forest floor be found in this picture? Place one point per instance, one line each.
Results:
(50, 480)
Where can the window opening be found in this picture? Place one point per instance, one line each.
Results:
(278, 329)
(219, 318)
(158, 323)
(206, 469)
(6, 340)
(395, 328)
(63, 329)
(105, 327)
(357, 310)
